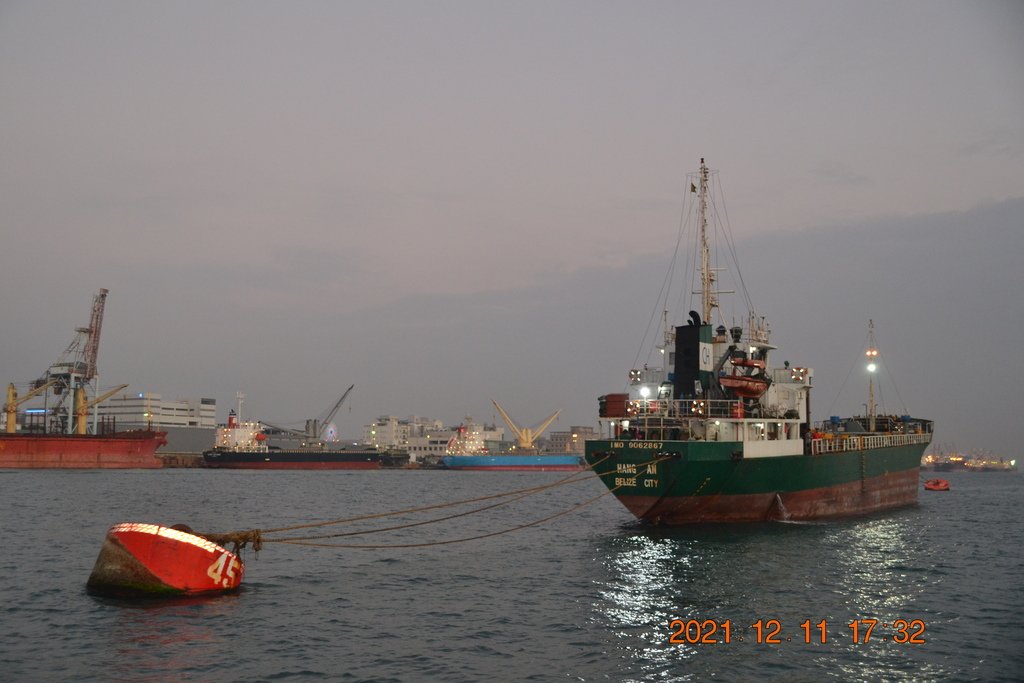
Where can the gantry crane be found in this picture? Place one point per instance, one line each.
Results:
(75, 371)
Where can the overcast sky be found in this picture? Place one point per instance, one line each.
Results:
(449, 202)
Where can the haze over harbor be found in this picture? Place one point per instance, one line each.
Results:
(450, 203)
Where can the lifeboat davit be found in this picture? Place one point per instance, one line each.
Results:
(149, 560)
(936, 485)
(748, 363)
(744, 385)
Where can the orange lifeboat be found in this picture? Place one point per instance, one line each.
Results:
(936, 485)
(149, 560)
(744, 385)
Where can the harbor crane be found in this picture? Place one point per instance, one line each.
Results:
(316, 428)
(74, 372)
(525, 436)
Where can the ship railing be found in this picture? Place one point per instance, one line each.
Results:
(684, 408)
(860, 442)
(679, 419)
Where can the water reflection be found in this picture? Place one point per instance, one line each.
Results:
(879, 571)
(158, 640)
(637, 602)
(792, 573)
(655, 575)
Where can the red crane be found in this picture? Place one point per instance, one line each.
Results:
(92, 342)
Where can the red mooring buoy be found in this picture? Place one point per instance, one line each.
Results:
(149, 560)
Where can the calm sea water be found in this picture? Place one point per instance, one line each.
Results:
(586, 597)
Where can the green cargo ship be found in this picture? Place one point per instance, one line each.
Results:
(718, 435)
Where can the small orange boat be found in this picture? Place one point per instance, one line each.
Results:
(744, 385)
(936, 485)
(149, 560)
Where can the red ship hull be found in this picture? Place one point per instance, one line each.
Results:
(307, 465)
(150, 560)
(521, 468)
(122, 450)
(885, 492)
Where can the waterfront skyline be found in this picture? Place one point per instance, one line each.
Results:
(450, 203)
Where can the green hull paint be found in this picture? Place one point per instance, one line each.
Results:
(697, 469)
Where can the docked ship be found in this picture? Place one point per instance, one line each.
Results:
(244, 445)
(957, 462)
(466, 451)
(536, 462)
(64, 431)
(720, 435)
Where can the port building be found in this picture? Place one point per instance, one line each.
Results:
(190, 423)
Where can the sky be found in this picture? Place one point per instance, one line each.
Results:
(447, 203)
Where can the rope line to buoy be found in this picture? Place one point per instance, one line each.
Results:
(572, 478)
(466, 513)
(240, 539)
(452, 540)
(256, 536)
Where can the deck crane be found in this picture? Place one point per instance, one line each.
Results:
(525, 436)
(315, 428)
(82, 406)
(320, 428)
(13, 401)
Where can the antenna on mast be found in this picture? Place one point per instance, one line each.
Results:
(708, 300)
(872, 354)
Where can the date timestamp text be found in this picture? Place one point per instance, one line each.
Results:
(771, 631)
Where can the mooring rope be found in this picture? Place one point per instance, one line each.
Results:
(507, 501)
(447, 541)
(571, 479)
(257, 537)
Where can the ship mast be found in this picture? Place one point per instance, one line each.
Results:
(708, 299)
(871, 354)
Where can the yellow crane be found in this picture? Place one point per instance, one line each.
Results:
(11, 407)
(82, 406)
(525, 436)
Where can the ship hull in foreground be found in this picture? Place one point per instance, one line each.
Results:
(682, 482)
(120, 450)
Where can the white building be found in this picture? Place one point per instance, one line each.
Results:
(424, 438)
(389, 431)
(570, 441)
(147, 408)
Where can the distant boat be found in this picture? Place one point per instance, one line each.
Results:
(957, 462)
(243, 445)
(542, 462)
(936, 485)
